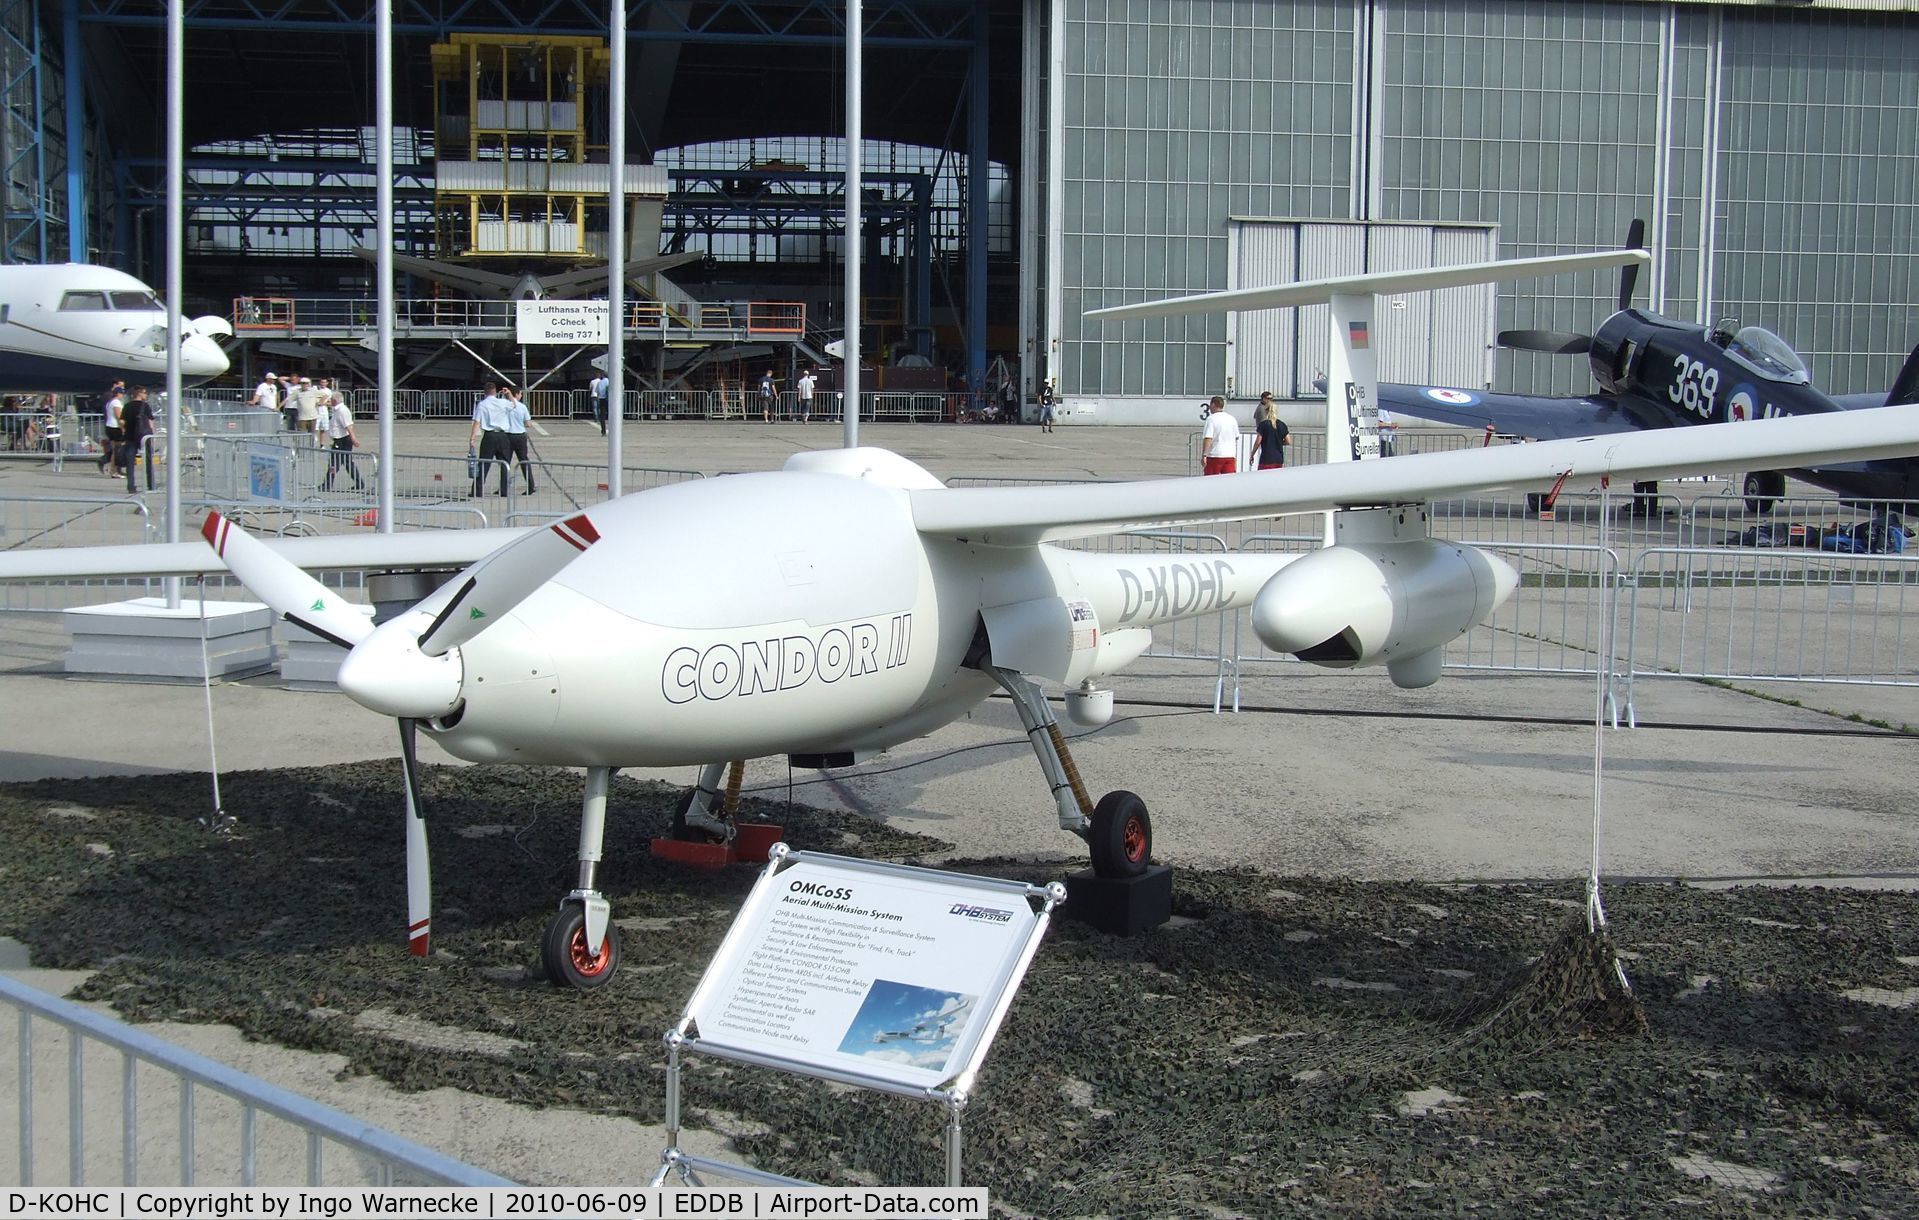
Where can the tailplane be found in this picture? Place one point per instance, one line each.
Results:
(1905, 387)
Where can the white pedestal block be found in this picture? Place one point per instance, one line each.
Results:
(143, 638)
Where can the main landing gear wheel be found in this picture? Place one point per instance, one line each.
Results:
(568, 961)
(1121, 837)
(1761, 490)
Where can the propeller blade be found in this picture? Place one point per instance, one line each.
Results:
(285, 586)
(419, 872)
(1629, 274)
(1552, 342)
(504, 579)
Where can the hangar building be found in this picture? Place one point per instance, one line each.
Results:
(1027, 160)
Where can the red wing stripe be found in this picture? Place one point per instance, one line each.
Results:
(214, 530)
(578, 531)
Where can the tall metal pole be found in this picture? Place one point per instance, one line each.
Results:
(176, 249)
(850, 373)
(383, 263)
(616, 248)
(76, 94)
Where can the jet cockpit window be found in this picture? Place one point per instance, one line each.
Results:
(1767, 355)
(83, 301)
(134, 300)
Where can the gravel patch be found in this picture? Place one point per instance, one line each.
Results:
(1269, 1073)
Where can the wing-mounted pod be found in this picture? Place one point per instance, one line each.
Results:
(1385, 593)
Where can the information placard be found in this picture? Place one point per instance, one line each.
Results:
(560, 321)
(878, 971)
(269, 468)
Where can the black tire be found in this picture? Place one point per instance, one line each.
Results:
(1759, 493)
(563, 952)
(1121, 838)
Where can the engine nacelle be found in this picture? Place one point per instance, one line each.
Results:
(1369, 603)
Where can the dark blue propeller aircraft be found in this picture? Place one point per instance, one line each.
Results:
(1654, 372)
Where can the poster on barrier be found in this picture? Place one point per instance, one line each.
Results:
(879, 971)
(269, 468)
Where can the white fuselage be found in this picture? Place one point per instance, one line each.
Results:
(72, 327)
(729, 618)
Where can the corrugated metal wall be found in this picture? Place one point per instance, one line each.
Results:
(1428, 338)
(1775, 149)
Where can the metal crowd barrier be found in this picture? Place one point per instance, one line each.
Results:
(28, 522)
(189, 1082)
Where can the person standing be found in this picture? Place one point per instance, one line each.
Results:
(1388, 432)
(266, 395)
(807, 381)
(769, 397)
(1269, 445)
(306, 404)
(1219, 443)
(110, 433)
(517, 417)
(339, 430)
(136, 425)
(1046, 405)
(488, 439)
(597, 390)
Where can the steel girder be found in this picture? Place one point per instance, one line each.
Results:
(918, 24)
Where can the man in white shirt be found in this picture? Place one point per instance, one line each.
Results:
(1219, 443)
(339, 430)
(806, 383)
(266, 395)
(487, 442)
(517, 417)
(598, 389)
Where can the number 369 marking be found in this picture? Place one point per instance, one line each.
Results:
(1694, 386)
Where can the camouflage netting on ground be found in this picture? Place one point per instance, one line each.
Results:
(1286, 1045)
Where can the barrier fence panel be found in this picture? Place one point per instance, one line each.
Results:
(1709, 612)
(34, 522)
(162, 1114)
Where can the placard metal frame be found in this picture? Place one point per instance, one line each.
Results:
(953, 1093)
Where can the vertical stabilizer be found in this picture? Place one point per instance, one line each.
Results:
(1905, 387)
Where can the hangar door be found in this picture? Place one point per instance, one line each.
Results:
(1432, 338)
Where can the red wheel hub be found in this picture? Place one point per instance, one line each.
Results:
(586, 963)
(1134, 838)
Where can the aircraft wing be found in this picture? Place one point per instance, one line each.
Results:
(1857, 402)
(374, 552)
(1015, 516)
(1528, 415)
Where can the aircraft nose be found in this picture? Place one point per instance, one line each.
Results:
(201, 357)
(389, 674)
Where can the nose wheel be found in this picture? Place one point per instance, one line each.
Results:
(1121, 836)
(565, 953)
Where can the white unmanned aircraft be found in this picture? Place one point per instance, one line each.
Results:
(850, 602)
(68, 327)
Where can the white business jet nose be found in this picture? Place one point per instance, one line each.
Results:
(388, 673)
(201, 357)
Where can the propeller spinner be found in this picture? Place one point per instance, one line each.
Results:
(410, 667)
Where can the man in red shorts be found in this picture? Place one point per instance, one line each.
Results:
(1219, 444)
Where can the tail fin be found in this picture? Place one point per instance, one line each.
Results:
(1905, 387)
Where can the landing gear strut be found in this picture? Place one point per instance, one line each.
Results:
(1118, 831)
(581, 948)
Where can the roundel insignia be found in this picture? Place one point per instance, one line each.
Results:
(1740, 408)
(1452, 398)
